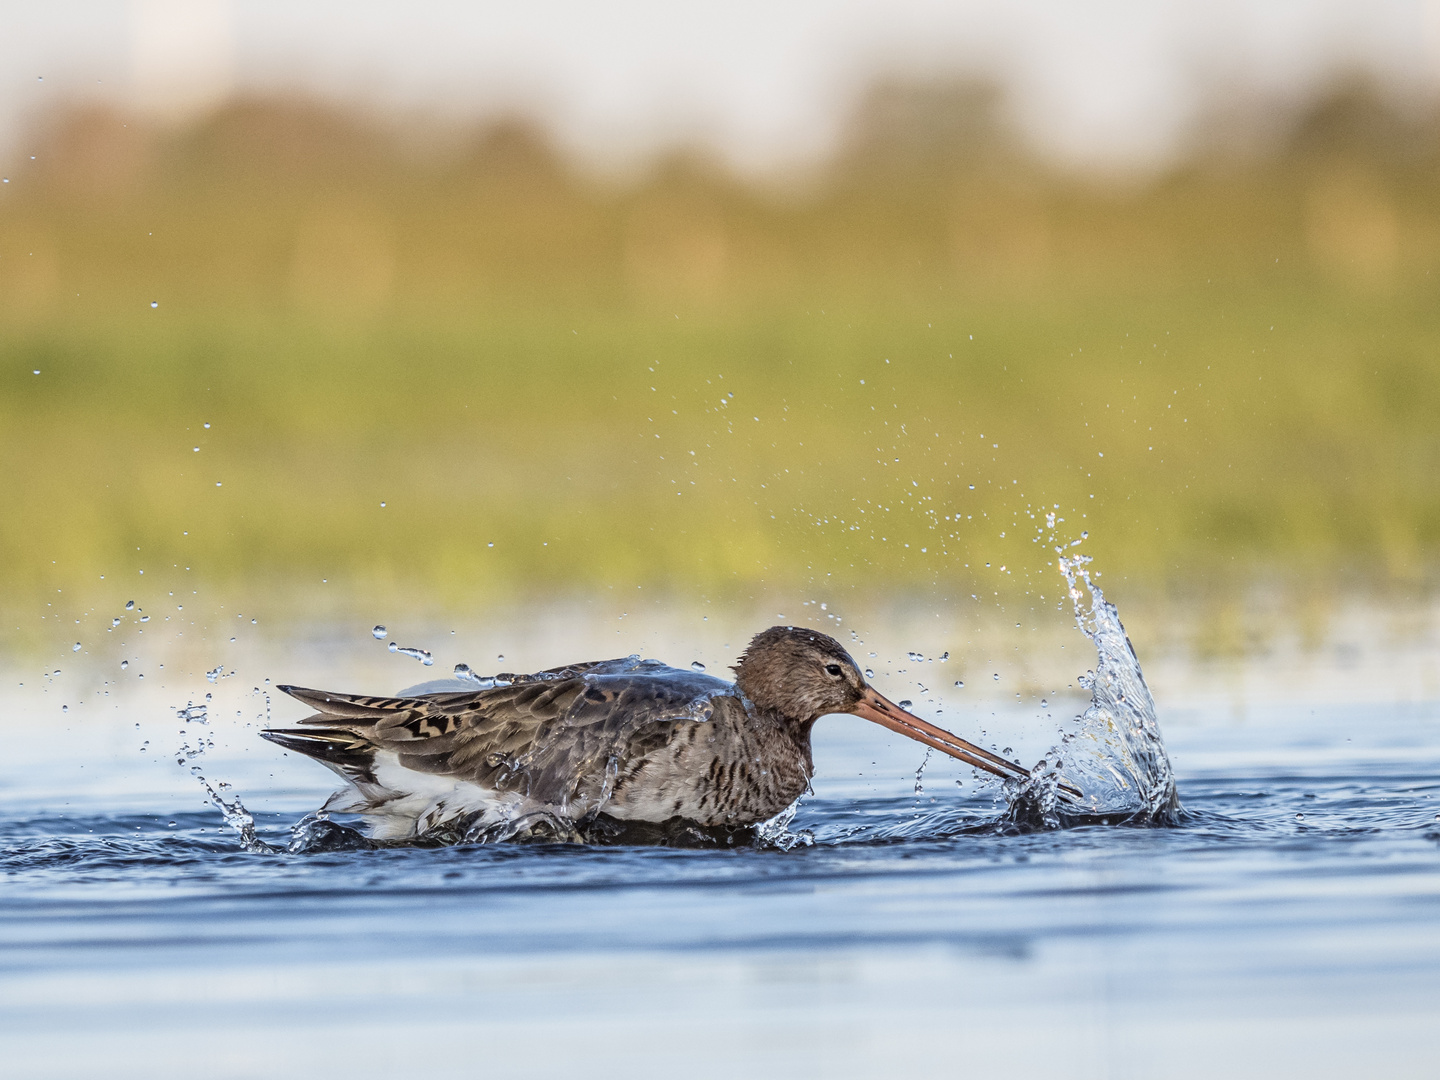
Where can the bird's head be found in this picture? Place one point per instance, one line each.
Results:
(799, 674)
(802, 675)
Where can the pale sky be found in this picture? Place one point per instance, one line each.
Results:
(1102, 83)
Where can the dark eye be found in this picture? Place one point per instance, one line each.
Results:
(833, 669)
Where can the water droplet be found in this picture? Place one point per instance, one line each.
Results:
(75, 647)
(64, 708)
(1044, 704)
(905, 703)
(130, 605)
(393, 647)
(869, 674)
(1299, 817)
(144, 618)
(944, 657)
(378, 633)
(154, 303)
(124, 664)
(959, 682)
(114, 622)
(997, 676)
(213, 675)
(915, 657)
(696, 665)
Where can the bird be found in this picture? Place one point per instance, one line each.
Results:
(630, 742)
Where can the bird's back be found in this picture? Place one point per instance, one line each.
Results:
(570, 740)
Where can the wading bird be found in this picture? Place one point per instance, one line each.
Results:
(632, 742)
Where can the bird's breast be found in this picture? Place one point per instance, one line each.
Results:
(716, 773)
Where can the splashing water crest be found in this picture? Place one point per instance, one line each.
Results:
(776, 833)
(237, 817)
(231, 810)
(1117, 757)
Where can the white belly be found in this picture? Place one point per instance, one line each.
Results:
(404, 804)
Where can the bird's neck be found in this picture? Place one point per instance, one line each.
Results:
(796, 732)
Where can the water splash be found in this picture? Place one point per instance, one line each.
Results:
(1116, 758)
(775, 833)
(920, 774)
(536, 826)
(423, 655)
(237, 817)
(232, 810)
(315, 833)
(193, 713)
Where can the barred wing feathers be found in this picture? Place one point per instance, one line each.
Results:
(558, 737)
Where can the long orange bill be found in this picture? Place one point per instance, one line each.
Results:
(878, 709)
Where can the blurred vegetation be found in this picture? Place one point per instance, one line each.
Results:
(396, 348)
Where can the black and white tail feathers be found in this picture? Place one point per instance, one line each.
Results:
(343, 749)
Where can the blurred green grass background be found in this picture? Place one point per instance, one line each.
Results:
(455, 365)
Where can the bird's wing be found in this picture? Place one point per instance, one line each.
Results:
(557, 737)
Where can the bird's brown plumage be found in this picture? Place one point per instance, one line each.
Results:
(633, 739)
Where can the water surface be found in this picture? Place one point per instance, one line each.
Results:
(1287, 923)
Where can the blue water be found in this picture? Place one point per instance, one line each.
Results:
(1288, 925)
